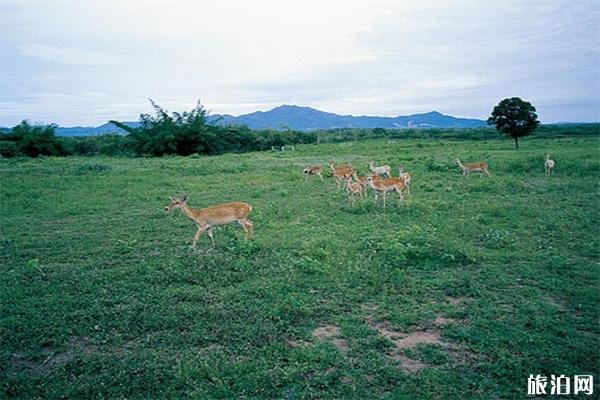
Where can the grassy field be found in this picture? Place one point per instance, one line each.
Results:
(461, 292)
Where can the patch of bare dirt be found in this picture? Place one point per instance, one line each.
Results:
(341, 344)
(403, 341)
(407, 364)
(326, 332)
(385, 330)
(75, 345)
(331, 332)
(418, 337)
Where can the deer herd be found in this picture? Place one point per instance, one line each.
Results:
(379, 180)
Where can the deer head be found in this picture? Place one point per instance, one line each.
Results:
(176, 203)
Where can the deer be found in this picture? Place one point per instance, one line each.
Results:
(473, 167)
(384, 186)
(341, 173)
(353, 189)
(363, 181)
(312, 170)
(403, 174)
(381, 170)
(549, 165)
(209, 217)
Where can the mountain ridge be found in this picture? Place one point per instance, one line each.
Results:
(305, 119)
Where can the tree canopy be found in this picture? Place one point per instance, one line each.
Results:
(514, 117)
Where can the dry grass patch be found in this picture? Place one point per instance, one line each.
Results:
(332, 333)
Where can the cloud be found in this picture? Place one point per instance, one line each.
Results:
(68, 55)
(385, 57)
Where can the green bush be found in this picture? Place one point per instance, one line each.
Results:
(32, 141)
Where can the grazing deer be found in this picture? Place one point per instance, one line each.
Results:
(473, 167)
(381, 170)
(340, 174)
(209, 217)
(353, 189)
(384, 186)
(549, 165)
(406, 176)
(312, 170)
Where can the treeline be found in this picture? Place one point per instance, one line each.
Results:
(189, 133)
(160, 134)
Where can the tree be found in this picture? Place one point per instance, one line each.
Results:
(515, 118)
(176, 133)
(32, 141)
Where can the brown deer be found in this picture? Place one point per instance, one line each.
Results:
(473, 167)
(312, 170)
(340, 174)
(363, 181)
(383, 186)
(353, 189)
(209, 217)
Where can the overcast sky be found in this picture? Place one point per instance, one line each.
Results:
(84, 62)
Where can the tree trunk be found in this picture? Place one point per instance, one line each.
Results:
(516, 142)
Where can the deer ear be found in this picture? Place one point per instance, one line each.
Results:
(171, 198)
(184, 198)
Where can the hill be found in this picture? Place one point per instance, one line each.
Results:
(304, 119)
(307, 118)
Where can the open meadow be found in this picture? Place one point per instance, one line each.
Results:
(460, 292)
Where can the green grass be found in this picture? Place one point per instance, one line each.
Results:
(102, 297)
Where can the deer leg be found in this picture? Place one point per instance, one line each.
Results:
(320, 175)
(400, 195)
(384, 196)
(200, 231)
(209, 232)
(247, 226)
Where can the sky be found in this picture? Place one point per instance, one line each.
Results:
(85, 62)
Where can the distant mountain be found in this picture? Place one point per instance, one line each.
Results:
(104, 129)
(304, 119)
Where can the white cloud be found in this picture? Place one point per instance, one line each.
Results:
(67, 55)
(360, 56)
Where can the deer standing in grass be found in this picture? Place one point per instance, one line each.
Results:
(406, 176)
(209, 217)
(549, 165)
(473, 167)
(362, 180)
(381, 170)
(312, 170)
(341, 173)
(383, 186)
(353, 189)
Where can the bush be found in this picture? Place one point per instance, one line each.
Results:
(32, 141)
(9, 149)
